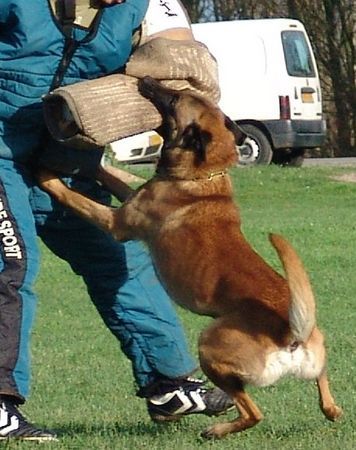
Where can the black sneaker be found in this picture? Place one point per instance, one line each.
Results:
(174, 399)
(13, 425)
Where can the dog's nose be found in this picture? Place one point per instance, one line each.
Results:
(161, 96)
(148, 86)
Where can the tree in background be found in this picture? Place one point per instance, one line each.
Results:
(217, 10)
(331, 27)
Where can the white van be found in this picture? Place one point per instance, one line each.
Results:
(269, 87)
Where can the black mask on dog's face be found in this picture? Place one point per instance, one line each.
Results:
(188, 121)
(196, 139)
(184, 135)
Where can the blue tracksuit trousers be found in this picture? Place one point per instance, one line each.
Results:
(119, 277)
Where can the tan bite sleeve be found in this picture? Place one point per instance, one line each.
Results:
(97, 112)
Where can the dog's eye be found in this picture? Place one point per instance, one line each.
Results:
(173, 101)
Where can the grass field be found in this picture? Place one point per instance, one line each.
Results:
(83, 385)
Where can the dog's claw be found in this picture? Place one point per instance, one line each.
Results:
(208, 434)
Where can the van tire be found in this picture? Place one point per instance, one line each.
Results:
(256, 148)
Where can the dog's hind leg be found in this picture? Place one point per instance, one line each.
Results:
(249, 416)
(327, 403)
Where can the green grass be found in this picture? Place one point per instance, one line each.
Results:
(83, 386)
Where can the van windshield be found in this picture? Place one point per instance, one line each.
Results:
(297, 54)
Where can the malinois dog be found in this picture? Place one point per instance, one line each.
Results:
(264, 324)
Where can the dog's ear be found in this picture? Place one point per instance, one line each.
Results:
(232, 126)
(196, 139)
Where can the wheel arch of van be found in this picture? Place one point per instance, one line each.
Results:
(280, 141)
(257, 147)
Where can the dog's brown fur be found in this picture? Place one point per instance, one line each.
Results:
(264, 325)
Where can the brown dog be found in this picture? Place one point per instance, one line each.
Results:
(264, 326)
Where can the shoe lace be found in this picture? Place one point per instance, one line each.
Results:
(193, 384)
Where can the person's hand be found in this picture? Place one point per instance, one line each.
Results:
(112, 2)
(64, 160)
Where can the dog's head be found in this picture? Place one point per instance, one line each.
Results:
(198, 137)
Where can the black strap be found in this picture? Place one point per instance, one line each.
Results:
(67, 16)
(70, 44)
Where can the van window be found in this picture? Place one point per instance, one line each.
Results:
(297, 54)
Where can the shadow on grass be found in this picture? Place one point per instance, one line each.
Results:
(279, 432)
(77, 429)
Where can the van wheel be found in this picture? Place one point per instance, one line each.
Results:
(256, 148)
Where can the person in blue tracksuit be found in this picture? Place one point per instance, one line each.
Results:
(119, 276)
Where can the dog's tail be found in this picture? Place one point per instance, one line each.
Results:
(302, 303)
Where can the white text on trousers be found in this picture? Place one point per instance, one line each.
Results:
(7, 236)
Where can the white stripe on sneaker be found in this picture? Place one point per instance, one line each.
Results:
(200, 405)
(190, 401)
(7, 424)
(163, 399)
(186, 403)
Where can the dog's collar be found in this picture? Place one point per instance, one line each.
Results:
(212, 175)
(209, 176)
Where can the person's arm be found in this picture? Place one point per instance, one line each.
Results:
(111, 2)
(167, 19)
(177, 60)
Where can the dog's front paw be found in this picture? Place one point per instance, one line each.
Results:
(332, 412)
(217, 431)
(48, 180)
(210, 433)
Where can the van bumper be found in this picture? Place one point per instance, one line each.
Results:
(296, 133)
